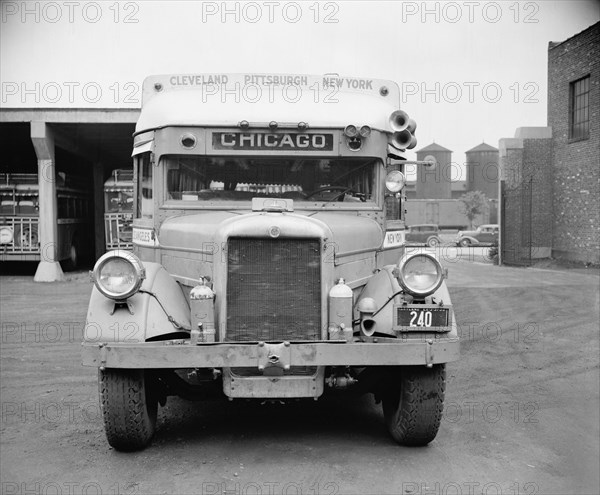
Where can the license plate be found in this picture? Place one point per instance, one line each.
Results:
(421, 318)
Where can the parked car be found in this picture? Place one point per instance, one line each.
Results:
(483, 235)
(428, 234)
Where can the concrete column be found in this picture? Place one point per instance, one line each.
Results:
(49, 269)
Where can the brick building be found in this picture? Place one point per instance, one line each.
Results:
(550, 176)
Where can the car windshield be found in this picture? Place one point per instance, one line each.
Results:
(202, 178)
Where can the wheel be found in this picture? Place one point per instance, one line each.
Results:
(433, 242)
(26, 236)
(129, 408)
(71, 261)
(413, 410)
(465, 243)
(73, 256)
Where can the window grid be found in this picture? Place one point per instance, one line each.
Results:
(580, 108)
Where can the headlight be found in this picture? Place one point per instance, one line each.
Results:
(394, 181)
(6, 235)
(118, 274)
(420, 274)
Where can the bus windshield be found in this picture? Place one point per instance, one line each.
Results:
(202, 178)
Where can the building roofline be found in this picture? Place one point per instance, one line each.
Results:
(483, 146)
(434, 147)
(555, 44)
(70, 115)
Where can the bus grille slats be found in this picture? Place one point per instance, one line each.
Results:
(273, 289)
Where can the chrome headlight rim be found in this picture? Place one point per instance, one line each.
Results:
(133, 260)
(395, 181)
(410, 290)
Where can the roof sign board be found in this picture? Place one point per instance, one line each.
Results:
(224, 100)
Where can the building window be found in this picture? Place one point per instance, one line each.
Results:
(579, 127)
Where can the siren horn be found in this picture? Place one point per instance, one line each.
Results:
(413, 142)
(403, 139)
(412, 126)
(399, 120)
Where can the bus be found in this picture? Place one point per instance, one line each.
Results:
(118, 209)
(269, 259)
(20, 224)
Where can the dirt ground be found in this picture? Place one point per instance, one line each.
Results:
(522, 407)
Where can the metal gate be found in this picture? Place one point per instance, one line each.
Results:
(516, 225)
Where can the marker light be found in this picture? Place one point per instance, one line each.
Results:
(188, 141)
(394, 181)
(365, 131)
(420, 274)
(118, 274)
(350, 131)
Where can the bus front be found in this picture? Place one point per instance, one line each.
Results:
(269, 257)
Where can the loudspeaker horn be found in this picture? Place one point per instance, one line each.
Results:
(402, 139)
(399, 120)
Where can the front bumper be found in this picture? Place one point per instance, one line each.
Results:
(181, 354)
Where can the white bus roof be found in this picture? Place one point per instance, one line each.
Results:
(224, 100)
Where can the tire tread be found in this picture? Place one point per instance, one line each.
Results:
(414, 413)
(129, 416)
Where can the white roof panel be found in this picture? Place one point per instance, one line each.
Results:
(226, 99)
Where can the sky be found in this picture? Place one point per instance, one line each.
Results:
(468, 71)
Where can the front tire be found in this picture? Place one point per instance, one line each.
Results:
(129, 408)
(413, 408)
(465, 243)
(433, 242)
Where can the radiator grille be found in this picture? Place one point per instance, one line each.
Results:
(273, 289)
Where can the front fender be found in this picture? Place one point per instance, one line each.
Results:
(384, 285)
(143, 318)
(473, 240)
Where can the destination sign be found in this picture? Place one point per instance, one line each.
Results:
(270, 141)
(144, 237)
(273, 88)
